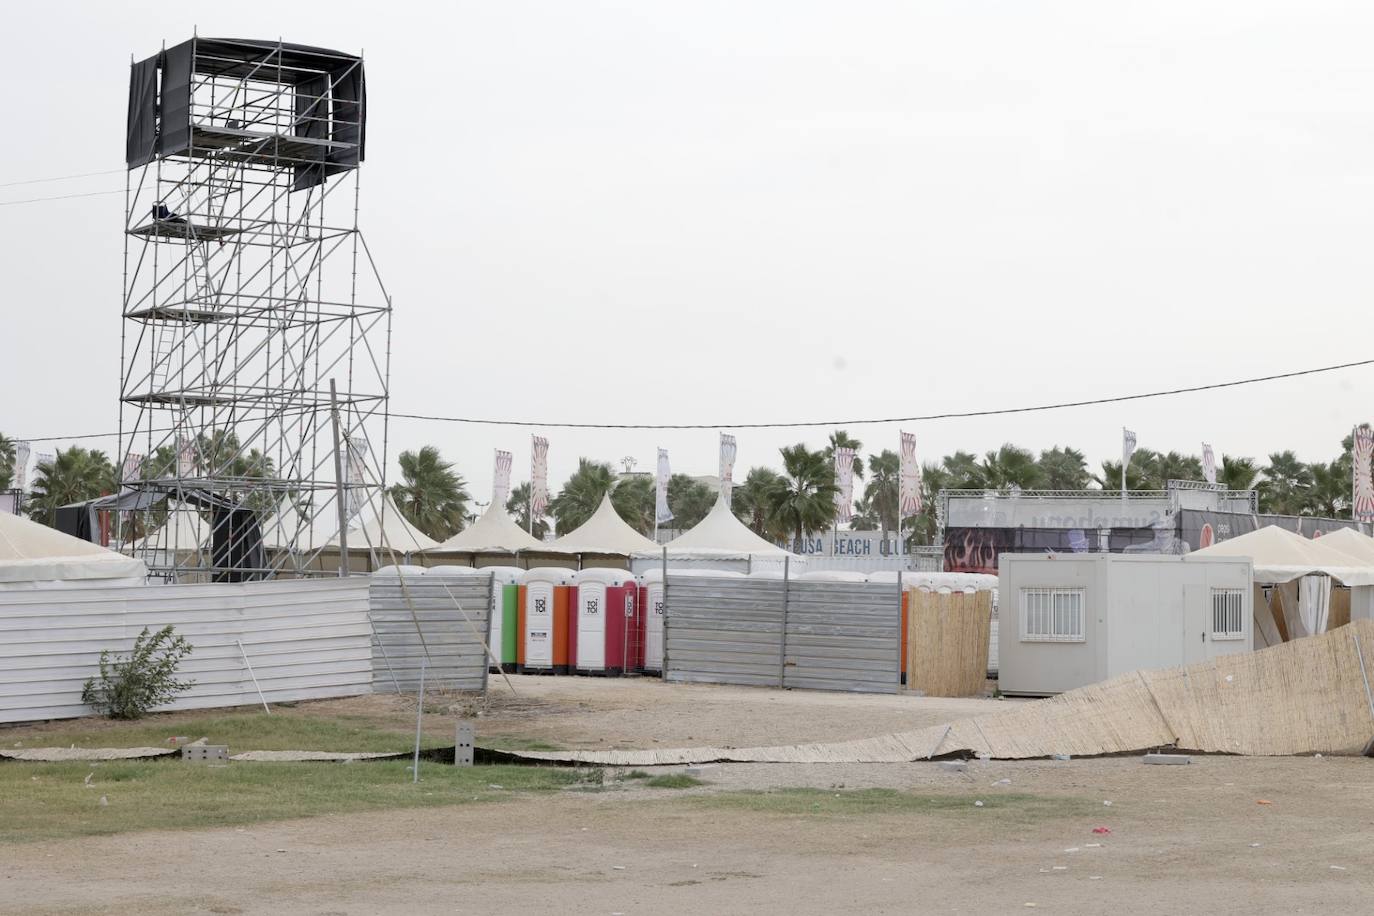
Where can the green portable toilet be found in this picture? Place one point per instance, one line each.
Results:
(505, 631)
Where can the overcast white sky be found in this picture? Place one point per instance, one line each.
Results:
(734, 212)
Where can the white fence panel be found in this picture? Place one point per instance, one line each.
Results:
(306, 639)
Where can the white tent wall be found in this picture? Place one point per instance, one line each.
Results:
(305, 640)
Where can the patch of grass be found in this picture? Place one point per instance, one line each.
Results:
(517, 743)
(1022, 808)
(674, 781)
(241, 731)
(50, 801)
(635, 774)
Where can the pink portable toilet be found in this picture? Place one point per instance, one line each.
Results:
(606, 617)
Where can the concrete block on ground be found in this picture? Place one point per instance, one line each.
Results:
(953, 766)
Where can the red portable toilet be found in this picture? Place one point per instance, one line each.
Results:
(545, 595)
(606, 618)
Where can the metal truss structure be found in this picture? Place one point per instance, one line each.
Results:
(256, 336)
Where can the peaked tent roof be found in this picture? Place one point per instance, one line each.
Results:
(604, 532)
(30, 551)
(721, 535)
(1280, 556)
(1348, 540)
(494, 532)
(184, 530)
(364, 532)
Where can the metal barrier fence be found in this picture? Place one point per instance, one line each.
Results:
(441, 620)
(783, 633)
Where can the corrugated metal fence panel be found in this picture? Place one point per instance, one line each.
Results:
(723, 631)
(843, 636)
(449, 624)
(306, 639)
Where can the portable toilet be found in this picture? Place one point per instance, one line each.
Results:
(607, 620)
(653, 609)
(542, 622)
(504, 594)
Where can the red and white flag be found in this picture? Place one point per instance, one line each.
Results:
(844, 484)
(727, 466)
(133, 468)
(539, 476)
(909, 487)
(1362, 503)
(1209, 465)
(21, 464)
(355, 473)
(500, 481)
(186, 457)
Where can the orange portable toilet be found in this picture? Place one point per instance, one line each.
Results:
(544, 646)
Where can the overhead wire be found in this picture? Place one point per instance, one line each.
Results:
(850, 421)
(36, 200)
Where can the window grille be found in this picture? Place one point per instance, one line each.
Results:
(1228, 618)
(1053, 614)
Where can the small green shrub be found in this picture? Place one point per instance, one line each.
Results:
(674, 781)
(127, 688)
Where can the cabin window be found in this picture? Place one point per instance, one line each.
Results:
(1228, 618)
(1053, 614)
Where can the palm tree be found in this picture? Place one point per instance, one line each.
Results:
(519, 508)
(922, 527)
(431, 495)
(1010, 466)
(74, 475)
(865, 517)
(802, 500)
(690, 500)
(1331, 490)
(1237, 473)
(1064, 469)
(883, 493)
(1138, 476)
(1286, 485)
(7, 456)
(961, 471)
(1167, 466)
(633, 498)
(841, 439)
(750, 501)
(581, 494)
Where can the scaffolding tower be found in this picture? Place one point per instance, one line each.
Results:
(256, 336)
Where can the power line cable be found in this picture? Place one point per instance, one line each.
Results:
(15, 184)
(35, 200)
(1000, 411)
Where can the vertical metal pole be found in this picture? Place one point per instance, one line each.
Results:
(901, 594)
(782, 637)
(339, 481)
(1124, 462)
(249, 665)
(663, 664)
(419, 719)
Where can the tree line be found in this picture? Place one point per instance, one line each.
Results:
(793, 499)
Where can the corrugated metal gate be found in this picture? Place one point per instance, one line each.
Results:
(778, 633)
(451, 620)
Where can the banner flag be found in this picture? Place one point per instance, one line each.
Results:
(539, 476)
(1362, 502)
(133, 468)
(21, 464)
(500, 481)
(727, 466)
(355, 474)
(844, 483)
(1209, 465)
(661, 511)
(186, 457)
(909, 497)
(1127, 447)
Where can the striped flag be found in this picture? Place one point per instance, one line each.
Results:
(1362, 503)
(21, 464)
(355, 473)
(133, 468)
(909, 496)
(1209, 465)
(844, 484)
(727, 466)
(186, 457)
(661, 511)
(500, 481)
(539, 476)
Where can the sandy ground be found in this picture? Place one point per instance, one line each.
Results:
(1181, 841)
(1184, 839)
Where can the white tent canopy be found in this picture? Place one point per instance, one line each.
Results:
(367, 531)
(31, 553)
(1348, 540)
(183, 531)
(605, 532)
(494, 532)
(720, 535)
(1281, 556)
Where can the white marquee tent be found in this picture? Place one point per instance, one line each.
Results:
(1281, 556)
(366, 531)
(604, 533)
(1348, 540)
(34, 555)
(494, 532)
(722, 541)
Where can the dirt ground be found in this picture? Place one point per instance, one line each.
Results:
(1183, 839)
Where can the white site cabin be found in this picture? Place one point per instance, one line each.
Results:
(1069, 620)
